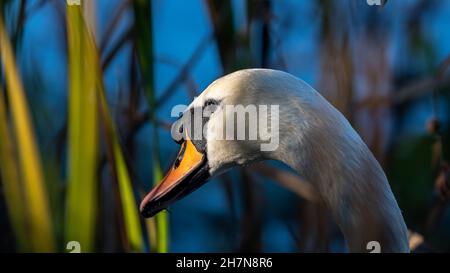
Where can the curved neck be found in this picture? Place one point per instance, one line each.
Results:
(351, 183)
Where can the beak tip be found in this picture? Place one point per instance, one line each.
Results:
(145, 208)
(150, 205)
(142, 208)
(148, 211)
(146, 204)
(145, 213)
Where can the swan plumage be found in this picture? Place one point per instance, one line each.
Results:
(316, 141)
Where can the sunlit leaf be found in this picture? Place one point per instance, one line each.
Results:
(130, 212)
(129, 205)
(9, 171)
(35, 195)
(83, 136)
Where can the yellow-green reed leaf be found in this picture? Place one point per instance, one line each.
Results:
(162, 226)
(38, 214)
(150, 225)
(78, 32)
(9, 171)
(132, 223)
(130, 211)
(82, 188)
(162, 223)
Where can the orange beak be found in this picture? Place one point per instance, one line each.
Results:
(189, 172)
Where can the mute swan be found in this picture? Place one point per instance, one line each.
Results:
(314, 139)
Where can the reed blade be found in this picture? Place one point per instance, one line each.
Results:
(9, 171)
(82, 188)
(35, 194)
(94, 75)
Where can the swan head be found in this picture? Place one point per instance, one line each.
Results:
(234, 121)
(258, 114)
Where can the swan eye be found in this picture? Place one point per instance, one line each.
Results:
(209, 107)
(211, 102)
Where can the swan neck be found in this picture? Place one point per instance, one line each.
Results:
(350, 182)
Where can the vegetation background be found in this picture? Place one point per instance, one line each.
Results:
(85, 99)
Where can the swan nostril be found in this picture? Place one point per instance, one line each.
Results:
(180, 129)
(177, 163)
